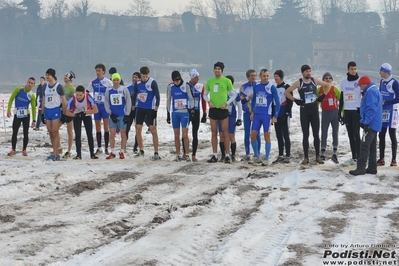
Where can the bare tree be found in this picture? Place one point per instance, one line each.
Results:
(141, 8)
(57, 10)
(311, 11)
(355, 6)
(81, 8)
(389, 5)
(224, 13)
(324, 7)
(250, 9)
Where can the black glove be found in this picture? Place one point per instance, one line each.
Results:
(80, 115)
(341, 119)
(238, 122)
(114, 118)
(203, 119)
(43, 119)
(358, 110)
(298, 101)
(321, 98)
(365, 127)
(192, 114)
(126, 119)
(168, 118)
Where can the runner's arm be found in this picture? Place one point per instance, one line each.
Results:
(203, 102)
(12, 97)
(106, 103)
(33, 104)
(395, 88)
(134, 95)
(239, 109)
(276, 101)
(190, 97)
(155, 89)
(128, 106)
(232, 96)
(288, 92)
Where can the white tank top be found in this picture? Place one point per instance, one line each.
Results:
(352, 94)
(52, 98)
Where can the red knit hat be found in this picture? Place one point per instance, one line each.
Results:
(364, 80)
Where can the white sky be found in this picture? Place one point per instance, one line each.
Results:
(163, 7)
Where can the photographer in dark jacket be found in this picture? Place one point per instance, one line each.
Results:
(39, 97)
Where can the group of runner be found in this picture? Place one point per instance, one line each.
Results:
(259, 102)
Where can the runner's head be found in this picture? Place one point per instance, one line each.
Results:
(112, 70)
(50, 75)
(251, 75)
(385, 70)
(264, 75)
(69, 76)
(100, 70)
(352, 68)
(80, 92)
(42, 80)
(231, 78)
(218, 68)
(364, 81)
(278, 76)
(176, 78)
(327, 77)
(194, 76)
(116, 80)
(136, 77)
(306, 71)
(145, 73)
(30, 83)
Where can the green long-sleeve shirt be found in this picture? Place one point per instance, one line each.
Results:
(23, 98)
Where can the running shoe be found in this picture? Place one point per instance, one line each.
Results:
(51, 157)
(67, 155)
(265, 163)
(393, 162)
(177, 158)
(99, 151)
(106, 151)
(323, 157)
(246, 158)
(110, 156)
(188, 159)
(24, 153)
(121, 155)
(381, 162)
(287, 159)
(256, 160)
(94, 156)
(334, 158)
(213, 159)
(11, 153)
(233, 158)
(305, 161)
(78, 157)
(221, 160)
(319, 160)
(280, 159)
(156, 157)
(139, 153)
(227, 159)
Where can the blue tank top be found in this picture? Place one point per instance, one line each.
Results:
(388, 94)
(196, 91)
(99, 89)
(263, 98)
(117, 101)
(145, 95)
(179, 97)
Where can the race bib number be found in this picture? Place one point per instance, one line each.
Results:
(181, 104)
(100, 97)
(349, 97)
(385, 116)
(21, 112)
(215, 88)
(310, 98)
(261, 101)
(49, 99)
(143, 97)
(116, 99)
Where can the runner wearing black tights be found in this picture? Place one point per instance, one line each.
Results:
(309, 112)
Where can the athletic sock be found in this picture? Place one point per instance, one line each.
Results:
(233, 147)
(268, 148)
(98, 137)
(335, 150)
(222, 150)
(106, 139)
(323, 152)
(255, 148)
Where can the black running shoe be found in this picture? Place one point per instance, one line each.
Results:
(227, 160)
(213, 159)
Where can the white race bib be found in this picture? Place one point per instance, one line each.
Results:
(181, 103)
(385, 116)
(349, 96)
(21, 112)
(215, 88)
(330, 101)
(99, 97)
(116, 99)
(142, 97)
(261, 101)
(310, 98)
(49, 98)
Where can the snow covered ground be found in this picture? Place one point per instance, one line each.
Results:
(139, 212)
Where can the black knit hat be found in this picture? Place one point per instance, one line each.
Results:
(51, 72)
(304, 68)
(279, 73)
(327, 74)
(219, 64)
(176, 75)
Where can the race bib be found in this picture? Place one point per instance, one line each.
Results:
(394, 123)
(100, 97)
(261, 101)
(142, 97)
(310, 98)
(385, 116)
(116, 99)
(181, 103)
(49, 98)
(215, 88)
(349, 97)
(22, 112)
(330, 101)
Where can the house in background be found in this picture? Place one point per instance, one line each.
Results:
(330, 55)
